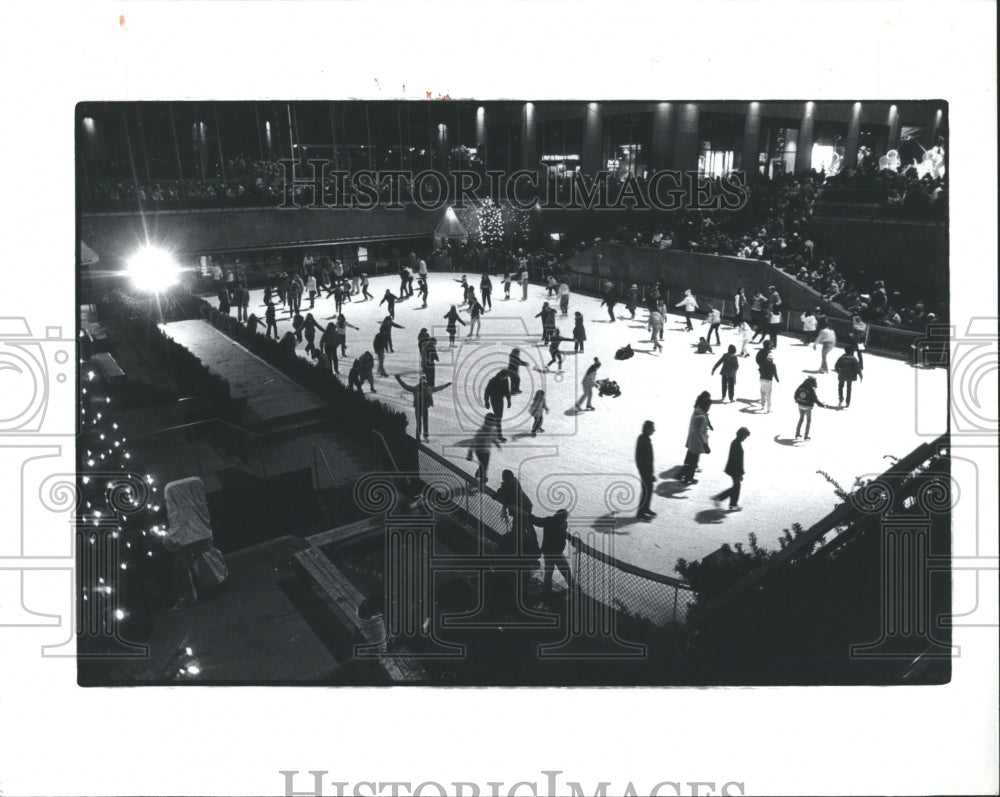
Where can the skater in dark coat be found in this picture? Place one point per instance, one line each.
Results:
(486, 289)
(610, 301)
(644, 463)
(452, 317)
(514, 363)
(697, 439)
(734, 469)
(381, 346)
(554, 340)
(328, 343)
(497, 392)
(548, 316)
(386, 328)
(730, 363)
(805, 399)
(388, 299)
(517, 506)
(579, 332)
(482, 446)
(423, 399)
(848, 372)
(272, 323)
(361, 372)
(430, 361)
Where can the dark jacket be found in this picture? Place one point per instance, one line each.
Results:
(805, 396)
(730, 364)
(644, 456)
(847, 368)
(734, 465)
(498, 389)
(765, 366)
(554, 532)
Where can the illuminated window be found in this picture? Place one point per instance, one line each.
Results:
(714, 162)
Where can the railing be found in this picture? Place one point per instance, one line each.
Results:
(247, 445)
(888, 486)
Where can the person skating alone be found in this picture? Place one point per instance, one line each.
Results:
(364, 288)
(848, 372)
(806, 399)
(453, 318)
(423, 400)
(497, 392)
(702, 347)
(690, 304)
(745, 334)
(554, 340)
(548, 316)
(826, 339)
(390, 300)
(589, 379)
(380, 345)
(524, 279)
(579, 332)
(644, 463)
(734, 469)
(697, 439)
(328, 343)
(714, 321)
(342, 325)
(564, 298)
(475, 312)
(730, 364)
(486, 437)
(768, 375)
(506, 285)
(536, 410)
(655, 326)
(610, 300)
(422, 290)
(514, 363)
(271, 319)
(486, 289)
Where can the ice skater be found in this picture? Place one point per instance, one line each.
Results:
(745, 335)
(342, 325)
(655, 326)
(548, 316)
(848, 372)
(805, 400)
(768, 375)
(554, 340)
(422, 290)
(730, 364)
(486, 290)
(554, 537)
(610, 300)
(826, 339)
(702, 347)
(380, 345)
(328, 343)
(579, 332)
(483, 441)
(536, 410)
(632, 302)
(564, 298)
(361, 372)
(644, 463)
(271, 319)
(697, 438)
(364, 288)
(514, 363)
(386, 328)
(423, 400)
(506, 285)
(589, 378)
(452, 318)
(734, 469)
(524, 280)
(430, 360)
(464, 282)
(714, 321)
(690, 304)
(389, 299)
(498, 392)
(475, 311)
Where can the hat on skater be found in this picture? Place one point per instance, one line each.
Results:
(742, 433)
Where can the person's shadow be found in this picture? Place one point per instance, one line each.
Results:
(751, 410)
(614, 523)
(672, 489)
(710, 516)
(784, 441)
(672, 473)
(807, 371)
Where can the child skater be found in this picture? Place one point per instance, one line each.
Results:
(538, 406)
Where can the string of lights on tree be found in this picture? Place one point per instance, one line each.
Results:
(120, 516)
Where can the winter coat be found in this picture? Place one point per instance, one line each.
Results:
(697, 439)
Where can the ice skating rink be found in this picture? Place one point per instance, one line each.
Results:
(586, 460)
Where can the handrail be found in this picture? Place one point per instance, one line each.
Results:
(806, 540)
(191, 425)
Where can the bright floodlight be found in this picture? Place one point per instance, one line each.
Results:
(152, 269)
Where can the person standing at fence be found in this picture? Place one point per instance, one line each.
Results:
(697, 439)
(514, 363)
(517, 506)
(487, 436)
(805, 400)
(848, 372)
(714, 321)
(588, 382)
(690, 304)
(610, 300)
(423, 400)
(321, 360)
(579, 332)
(730, 364)
(498, 392)
(768, 375)
(536, 410)
(386, 327)
(224, 305)
(644, 463)
(453, 318)
(555, 533)
(739, 308)
(734, 469)
(826, 339)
